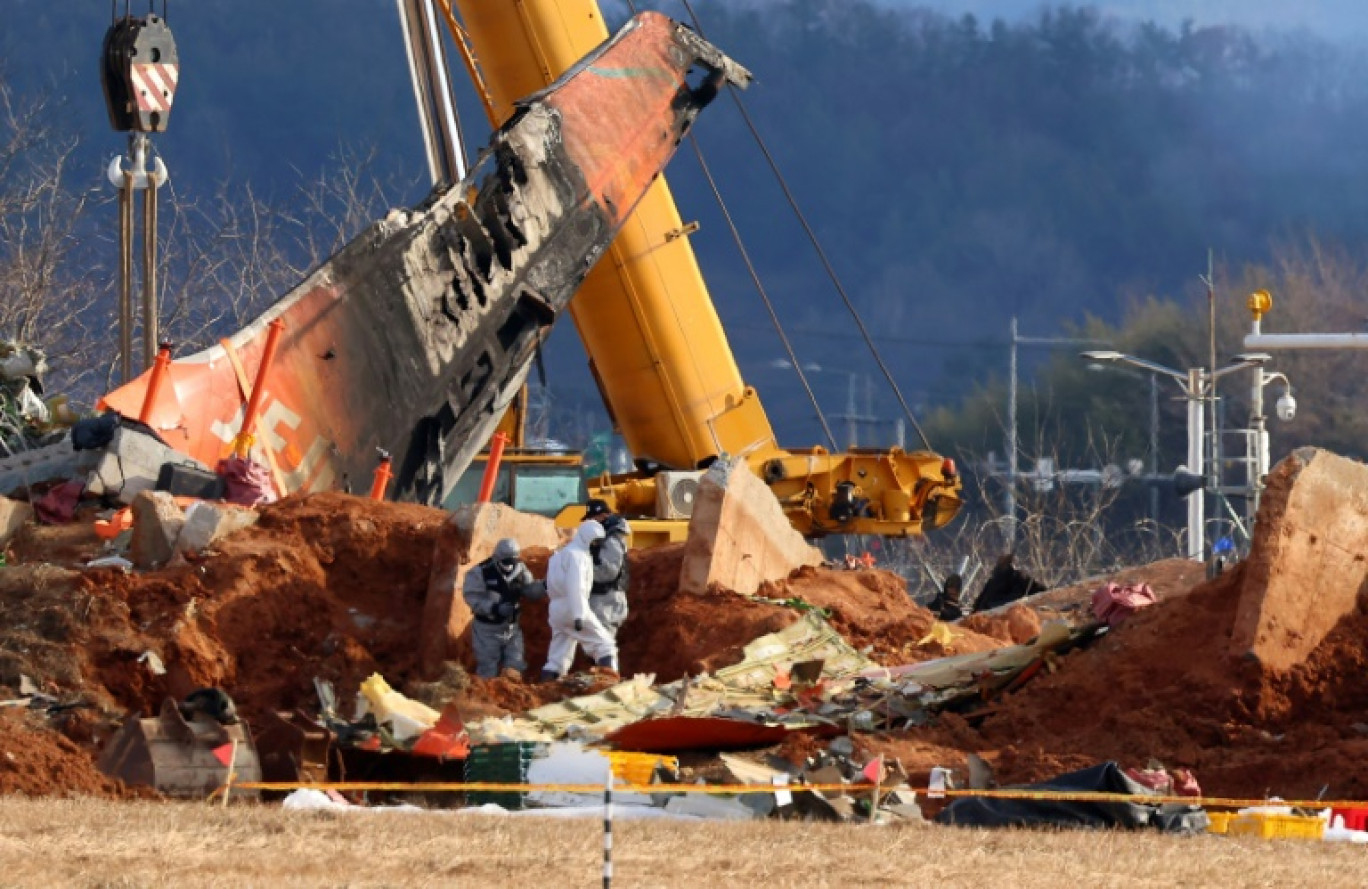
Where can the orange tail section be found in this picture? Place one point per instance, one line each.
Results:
(415, 337)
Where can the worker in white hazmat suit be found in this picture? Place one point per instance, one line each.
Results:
(569, 577)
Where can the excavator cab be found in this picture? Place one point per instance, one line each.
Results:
(529, 480)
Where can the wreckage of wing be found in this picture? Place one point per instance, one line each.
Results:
(415, 336)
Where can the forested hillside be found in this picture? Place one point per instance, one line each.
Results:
(957, 171)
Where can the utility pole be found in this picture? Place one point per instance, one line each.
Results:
(1196, 501)
(1010, 505)
(1154, 445)
(1197, 384)
(852, 416)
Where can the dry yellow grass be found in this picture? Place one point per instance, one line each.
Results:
(101, 844)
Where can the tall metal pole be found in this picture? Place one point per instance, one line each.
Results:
(1196, 517)
(1154, 445)
(1009, 506)
(1258, 426)
(1213, 445)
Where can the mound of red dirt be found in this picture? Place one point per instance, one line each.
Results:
(37, 761)
(1015, 625)
(333, 586)
(329, 586)
(1164, 686)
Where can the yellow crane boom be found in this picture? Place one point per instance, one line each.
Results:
(657, 348)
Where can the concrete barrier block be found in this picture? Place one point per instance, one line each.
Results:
(1308, 563)
(14, 514)
(206, 523)
(467, 538)
(157, 524)
(739, 536)
(130, 464)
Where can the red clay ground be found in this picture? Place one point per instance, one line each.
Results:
(332, 586)
(36, 760)
(1164, 686)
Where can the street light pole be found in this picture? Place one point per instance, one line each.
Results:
(1196, 421)
(1010, 505)
(1154, 444)
(1197, 384)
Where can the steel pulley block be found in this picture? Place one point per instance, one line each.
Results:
(139, 74)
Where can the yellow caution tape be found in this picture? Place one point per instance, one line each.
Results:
(1061, 796)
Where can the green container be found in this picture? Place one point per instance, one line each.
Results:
(500, 764)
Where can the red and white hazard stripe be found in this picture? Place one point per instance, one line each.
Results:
(154, 85)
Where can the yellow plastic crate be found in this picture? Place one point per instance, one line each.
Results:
(1220, 822)
(1271, 827)
(637, 768)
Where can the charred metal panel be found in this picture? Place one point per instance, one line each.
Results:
(416, 336)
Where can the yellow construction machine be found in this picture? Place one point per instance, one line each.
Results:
(657, 348)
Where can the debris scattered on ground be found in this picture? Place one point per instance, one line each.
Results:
(326, 590)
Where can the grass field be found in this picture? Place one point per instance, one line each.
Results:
(102, 844)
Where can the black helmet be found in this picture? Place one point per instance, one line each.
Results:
(616, 524)
(595, 508)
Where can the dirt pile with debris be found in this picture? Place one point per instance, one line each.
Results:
(673, 633)
(1020, 622)
(1164, 686)
(1169, 685)
(333, 586)
(329, 585)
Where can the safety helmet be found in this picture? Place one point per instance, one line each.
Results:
(507, 550)
(616, 524)
(595, 508)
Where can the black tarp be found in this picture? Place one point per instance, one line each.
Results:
(1107, 777)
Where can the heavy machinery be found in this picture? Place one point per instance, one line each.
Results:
(415, 338)
(657, 348)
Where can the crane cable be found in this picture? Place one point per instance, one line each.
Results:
(816, 244)
(755, 278)
(764, 296)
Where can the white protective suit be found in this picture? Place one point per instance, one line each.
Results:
(568, 579)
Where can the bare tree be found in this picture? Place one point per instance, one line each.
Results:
(228, 258)
(48, 298)
(1065, 530)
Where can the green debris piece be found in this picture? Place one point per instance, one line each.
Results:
(797, 603)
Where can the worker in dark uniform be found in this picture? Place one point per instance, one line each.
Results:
(608, 595)
(1006, 584)
(946, 606)
(494, 590)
